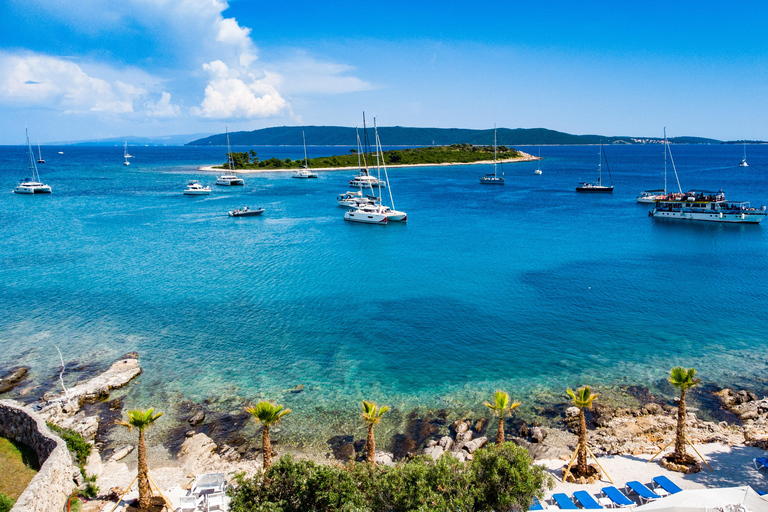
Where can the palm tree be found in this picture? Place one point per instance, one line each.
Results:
(683, 379)
(142, 420)
(501, 406)
(582, 398)
(371, 416)
(269, 414)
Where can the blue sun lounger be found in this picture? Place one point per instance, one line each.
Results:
(617, 497)
(666, 484)
(564, 502)
(641, 490)
(760, 463)
(587, 500)
(536, 505)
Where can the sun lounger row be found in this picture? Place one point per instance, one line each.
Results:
(612, 497)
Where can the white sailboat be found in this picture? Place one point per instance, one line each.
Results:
(39, 154)
(598, 186)
(32, 185)
(230, 179)
(743, 162)
(304, 172)
(391, 213)
(126, 155)
(370, 212)
(538, 168)
(651, 196)
(493, 179)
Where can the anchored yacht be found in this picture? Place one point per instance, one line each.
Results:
(196, 189)
(230, 180)
(32, 185)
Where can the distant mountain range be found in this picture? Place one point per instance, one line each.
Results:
(166, 140)
(403, 136)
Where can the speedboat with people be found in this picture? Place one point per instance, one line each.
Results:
(246, 212)
(32, 185)
(196, 189)
(707, 206)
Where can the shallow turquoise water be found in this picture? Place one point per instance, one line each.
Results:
(530, 287)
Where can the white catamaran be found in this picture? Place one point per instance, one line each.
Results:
(304, 172)
(231, 179)
(32, 185)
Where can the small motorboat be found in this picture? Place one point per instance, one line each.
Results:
(246, 212)
(196, 189)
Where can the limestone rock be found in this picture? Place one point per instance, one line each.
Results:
(572, 412)
(121, 453)
(538, 434)
(297, 389)
(384, 458)
(197, 418)
(435, 451)
(480, 424)
(198, 449)
(13, 379)
(475, 444)
(118, 375)
(446, 443)
(431, 443)
(524, 431)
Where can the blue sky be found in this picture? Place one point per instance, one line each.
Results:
(83, 69)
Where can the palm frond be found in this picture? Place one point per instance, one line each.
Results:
(582, 397)
(682, 378)
(373, 413)
(268, 413)
(140, 419)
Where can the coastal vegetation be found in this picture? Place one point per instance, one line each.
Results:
(583, 398)
(269, 414)
(683, 380)
(499, 478)
(80, 450)
(142, 420)
(455, 153)
(371, 416)
(501, 406)
(6, 502)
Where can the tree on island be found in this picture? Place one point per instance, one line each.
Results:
(269, 414)
(501, 406)
(371, 416)
(142, 420)
(684, 380)
(582, 398)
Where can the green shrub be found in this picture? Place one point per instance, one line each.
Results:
(6, 503)
(75, 443)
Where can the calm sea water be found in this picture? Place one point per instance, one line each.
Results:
(530, 287)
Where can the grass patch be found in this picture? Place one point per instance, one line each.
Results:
(18, 465)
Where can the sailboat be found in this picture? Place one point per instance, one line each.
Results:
(743, 162)
(39, 154)
(538, 168)
(304, 172)
(230, 179)
(32, 185)
(370, 212)
(126, 156)
(391, 213)
(493, 179)
(598, 186)
(651, 196)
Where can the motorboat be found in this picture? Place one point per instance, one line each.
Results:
(355, 199)
(651, 196)
(246, 212)
(367, 214)
(231, 179)
(707, 206)
(394, 215)
(32, 184)
(598, 186)
(196, 189)
(304, 172)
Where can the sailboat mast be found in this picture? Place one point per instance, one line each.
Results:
(32, 166)
(384, 165)
(378, 166)
(665, 159)
(304, 139)
(359, 148)
(494, 150)
(600, 164)
(229, 152)
(40, 154)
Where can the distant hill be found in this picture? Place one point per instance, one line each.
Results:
(404, 136)
(166, 140)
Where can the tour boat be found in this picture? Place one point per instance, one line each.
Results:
(39, 154)
(230, 180)
(493, 179)
(598, 186)
(304, 172)
(706, 206)
(367, 214)
(126, 156)
(32, 185)
(743, 162)
(651, 196)
(246, 212)
(196, 189)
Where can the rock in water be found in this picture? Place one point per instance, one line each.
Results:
(434, 451)
(197, 418)
(475, 444)
(538, 434)
(12, 380)
(121, 453)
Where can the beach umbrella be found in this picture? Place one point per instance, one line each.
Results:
(727, 499)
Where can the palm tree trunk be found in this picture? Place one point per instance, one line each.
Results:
(582, 458)
(500, 432)
(266, 447)
(144, 491)
(370, 447)
(680, 434)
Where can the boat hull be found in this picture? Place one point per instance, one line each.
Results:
(365, 217)
(197, 192)
(44, 189)
(595, 189)
(395, 216)
(731, 218)
(249, 213)
(492, 181)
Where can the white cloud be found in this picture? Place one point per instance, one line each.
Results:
(306, 75)
(233, 34)
(41, 81)
(163, 108)
(228, 96)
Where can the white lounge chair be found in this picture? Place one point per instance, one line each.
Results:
(215, 500)
(188, 503)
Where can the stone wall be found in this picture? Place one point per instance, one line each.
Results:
(49, 489)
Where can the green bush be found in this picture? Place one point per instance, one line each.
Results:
(500, 478)
(75, 443)
(6, 503)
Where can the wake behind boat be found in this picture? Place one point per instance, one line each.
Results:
(32, 185)
(246, 212)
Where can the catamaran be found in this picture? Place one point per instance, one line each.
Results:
(304, 172)
(743, 162)
(493, 179)
(230, 179)
(126, 156)
(651, 196)
(32, 185)
(598, 186)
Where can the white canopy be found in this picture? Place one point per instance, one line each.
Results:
(729, 499)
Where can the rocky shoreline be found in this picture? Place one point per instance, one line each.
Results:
(206, 440)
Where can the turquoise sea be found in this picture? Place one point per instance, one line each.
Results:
(530, 287)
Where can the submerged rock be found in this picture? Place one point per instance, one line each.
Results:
(13, 379)
(197, 418)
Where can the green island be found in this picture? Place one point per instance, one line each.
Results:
(453, 154)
